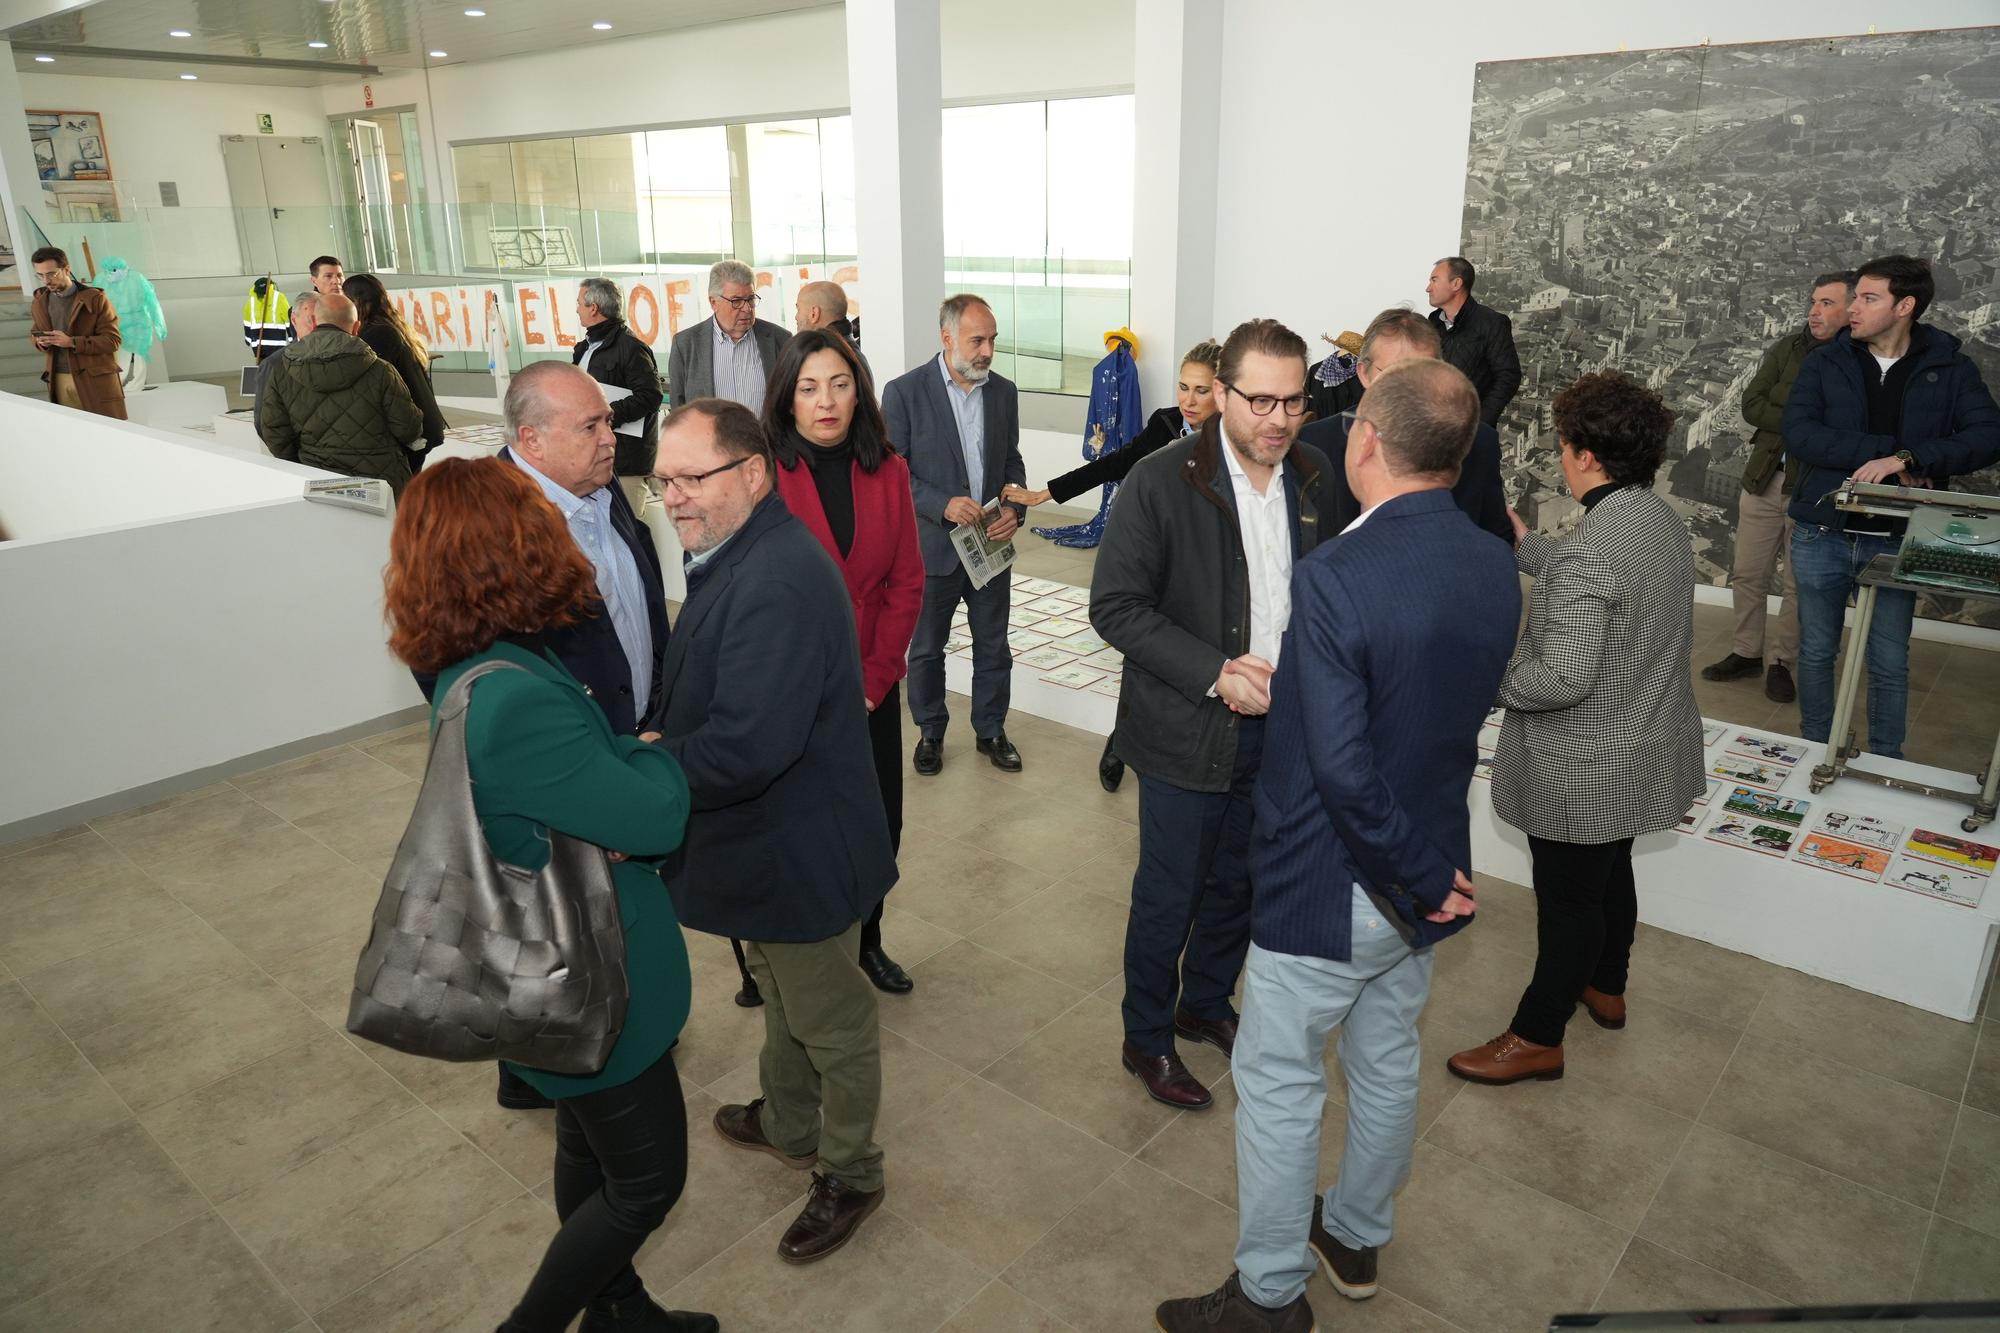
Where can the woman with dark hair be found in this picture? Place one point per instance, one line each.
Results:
(1602, 741)
(480, 565)
(391, 338)
(839, 474)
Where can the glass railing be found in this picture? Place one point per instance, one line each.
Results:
(454, 266)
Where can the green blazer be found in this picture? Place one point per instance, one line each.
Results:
(542, 756)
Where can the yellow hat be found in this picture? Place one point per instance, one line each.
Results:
(1126, 336)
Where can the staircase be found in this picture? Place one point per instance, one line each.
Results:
(20, 363)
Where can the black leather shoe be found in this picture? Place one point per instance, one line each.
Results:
(640, 1313)
(929, 757)
(517, 1094)
(1778, 686)
(1110, 768)
(1217, 1032)
(833, 1212)
(1001, 751)
(1352, 1272)
(1167, 1080)
(1733, 667)
(885, 974)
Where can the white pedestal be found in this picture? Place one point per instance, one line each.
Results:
(182, 405)
(237, 430)
(1871, 936)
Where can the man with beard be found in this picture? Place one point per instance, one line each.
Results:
(959, 425)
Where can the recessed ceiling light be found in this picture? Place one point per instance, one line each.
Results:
(317, 46)
(45, 60)
(602, 27)
(179, 32)
(189, 77)
(475, 13)
(439, 55)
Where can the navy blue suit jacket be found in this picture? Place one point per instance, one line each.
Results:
(788, 841)
(589, 648)
(1399, 635)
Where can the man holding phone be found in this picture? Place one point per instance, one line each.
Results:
(75, 327)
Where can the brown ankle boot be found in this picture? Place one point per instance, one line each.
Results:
(1507, 1059)
(1607, 1011)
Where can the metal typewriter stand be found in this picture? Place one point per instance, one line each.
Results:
(1896, 501)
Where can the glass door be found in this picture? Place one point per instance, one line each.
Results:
(371, 186)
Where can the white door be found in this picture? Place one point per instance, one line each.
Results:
(371, 186)
(283, 198)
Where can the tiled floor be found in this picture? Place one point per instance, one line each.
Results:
(189, 1141)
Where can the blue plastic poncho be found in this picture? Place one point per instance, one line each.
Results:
(140, 320)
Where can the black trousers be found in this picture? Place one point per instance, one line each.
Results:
(621, 1162)
(1586, 910)
(885, 742)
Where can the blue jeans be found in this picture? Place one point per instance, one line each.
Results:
(1291, 1003)
(1826, 566)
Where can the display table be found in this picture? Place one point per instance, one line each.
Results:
(1862, 933)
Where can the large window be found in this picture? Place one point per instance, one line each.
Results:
(1050, 247)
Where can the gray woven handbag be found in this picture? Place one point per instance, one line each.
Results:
(472, 959)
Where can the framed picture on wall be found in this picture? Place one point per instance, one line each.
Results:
(69, 145)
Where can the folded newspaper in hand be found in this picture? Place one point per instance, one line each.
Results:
(984, 559)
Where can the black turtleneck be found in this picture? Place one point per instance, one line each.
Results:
(833, 474)
(1596, 494)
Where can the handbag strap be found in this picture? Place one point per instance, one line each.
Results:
(444, 824)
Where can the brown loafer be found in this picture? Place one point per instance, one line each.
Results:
(1607, 1011)
(833, 1213)
(742, 1127)
(1167, 1080)
(1217, 1032)
(1507, 1059)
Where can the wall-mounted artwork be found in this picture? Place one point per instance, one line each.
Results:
(69, 145)
(1664, 213)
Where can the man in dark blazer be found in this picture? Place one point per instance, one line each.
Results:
(1401, 628)
(959, 425)
(788, 846)
(731, 353)
(1478, 339)
(560, 431)
(613, 356)
(1394, 336)
(1192, 585)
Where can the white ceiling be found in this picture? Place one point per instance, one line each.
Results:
(128, 38)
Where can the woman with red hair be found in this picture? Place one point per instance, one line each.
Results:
(480, 564)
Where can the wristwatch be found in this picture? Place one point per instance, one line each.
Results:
(1909, 461)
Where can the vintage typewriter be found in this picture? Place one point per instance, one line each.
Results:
(1953, 538)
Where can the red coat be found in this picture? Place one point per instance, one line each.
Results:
(884, 570)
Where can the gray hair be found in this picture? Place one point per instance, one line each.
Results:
(954, 308)
(728, 271)
(602, 293)
(305, 300)
(1407, 327)
(527, 400)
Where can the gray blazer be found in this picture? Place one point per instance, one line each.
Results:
(691, 360)
(1602, 738)
(923, 428)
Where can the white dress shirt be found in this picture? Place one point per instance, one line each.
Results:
(1265, 522)
(1362, 517)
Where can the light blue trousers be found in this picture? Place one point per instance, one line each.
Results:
(1291, 1004)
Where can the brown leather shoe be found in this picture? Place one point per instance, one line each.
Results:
(1507, 1059)
(1167, 1080)
(1217, 1032)
(1228, 1310)
(742, 1127)
(834, 1212)
(1607, 1011)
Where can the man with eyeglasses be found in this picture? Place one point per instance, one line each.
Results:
(1193, 585)
(788, 847)
(729, 354)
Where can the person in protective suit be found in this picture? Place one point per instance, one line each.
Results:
(141, 322)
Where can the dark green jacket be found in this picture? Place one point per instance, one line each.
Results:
(331, 403)
(1764, 408)
(542, 756)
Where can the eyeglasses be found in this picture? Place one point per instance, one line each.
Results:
(1261, 404)
(689, 484)
(741, 302)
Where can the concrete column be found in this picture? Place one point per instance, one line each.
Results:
(896, 91)
(743, 246)
(20, 183)
(1177, 103)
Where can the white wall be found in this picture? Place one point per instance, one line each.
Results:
(158, 647)
(1344, 128)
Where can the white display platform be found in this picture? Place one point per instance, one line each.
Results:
(181, 405)
(238, 430)
(1084, 708)
(1871, 936)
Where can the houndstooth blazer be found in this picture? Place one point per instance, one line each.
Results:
(1602, 738)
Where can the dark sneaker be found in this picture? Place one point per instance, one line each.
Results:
(1228, 1310)
(1733, 667)
(1352, 1272)
(1778, 686)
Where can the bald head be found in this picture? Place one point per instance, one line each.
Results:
(821, 303)
(338, 311)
